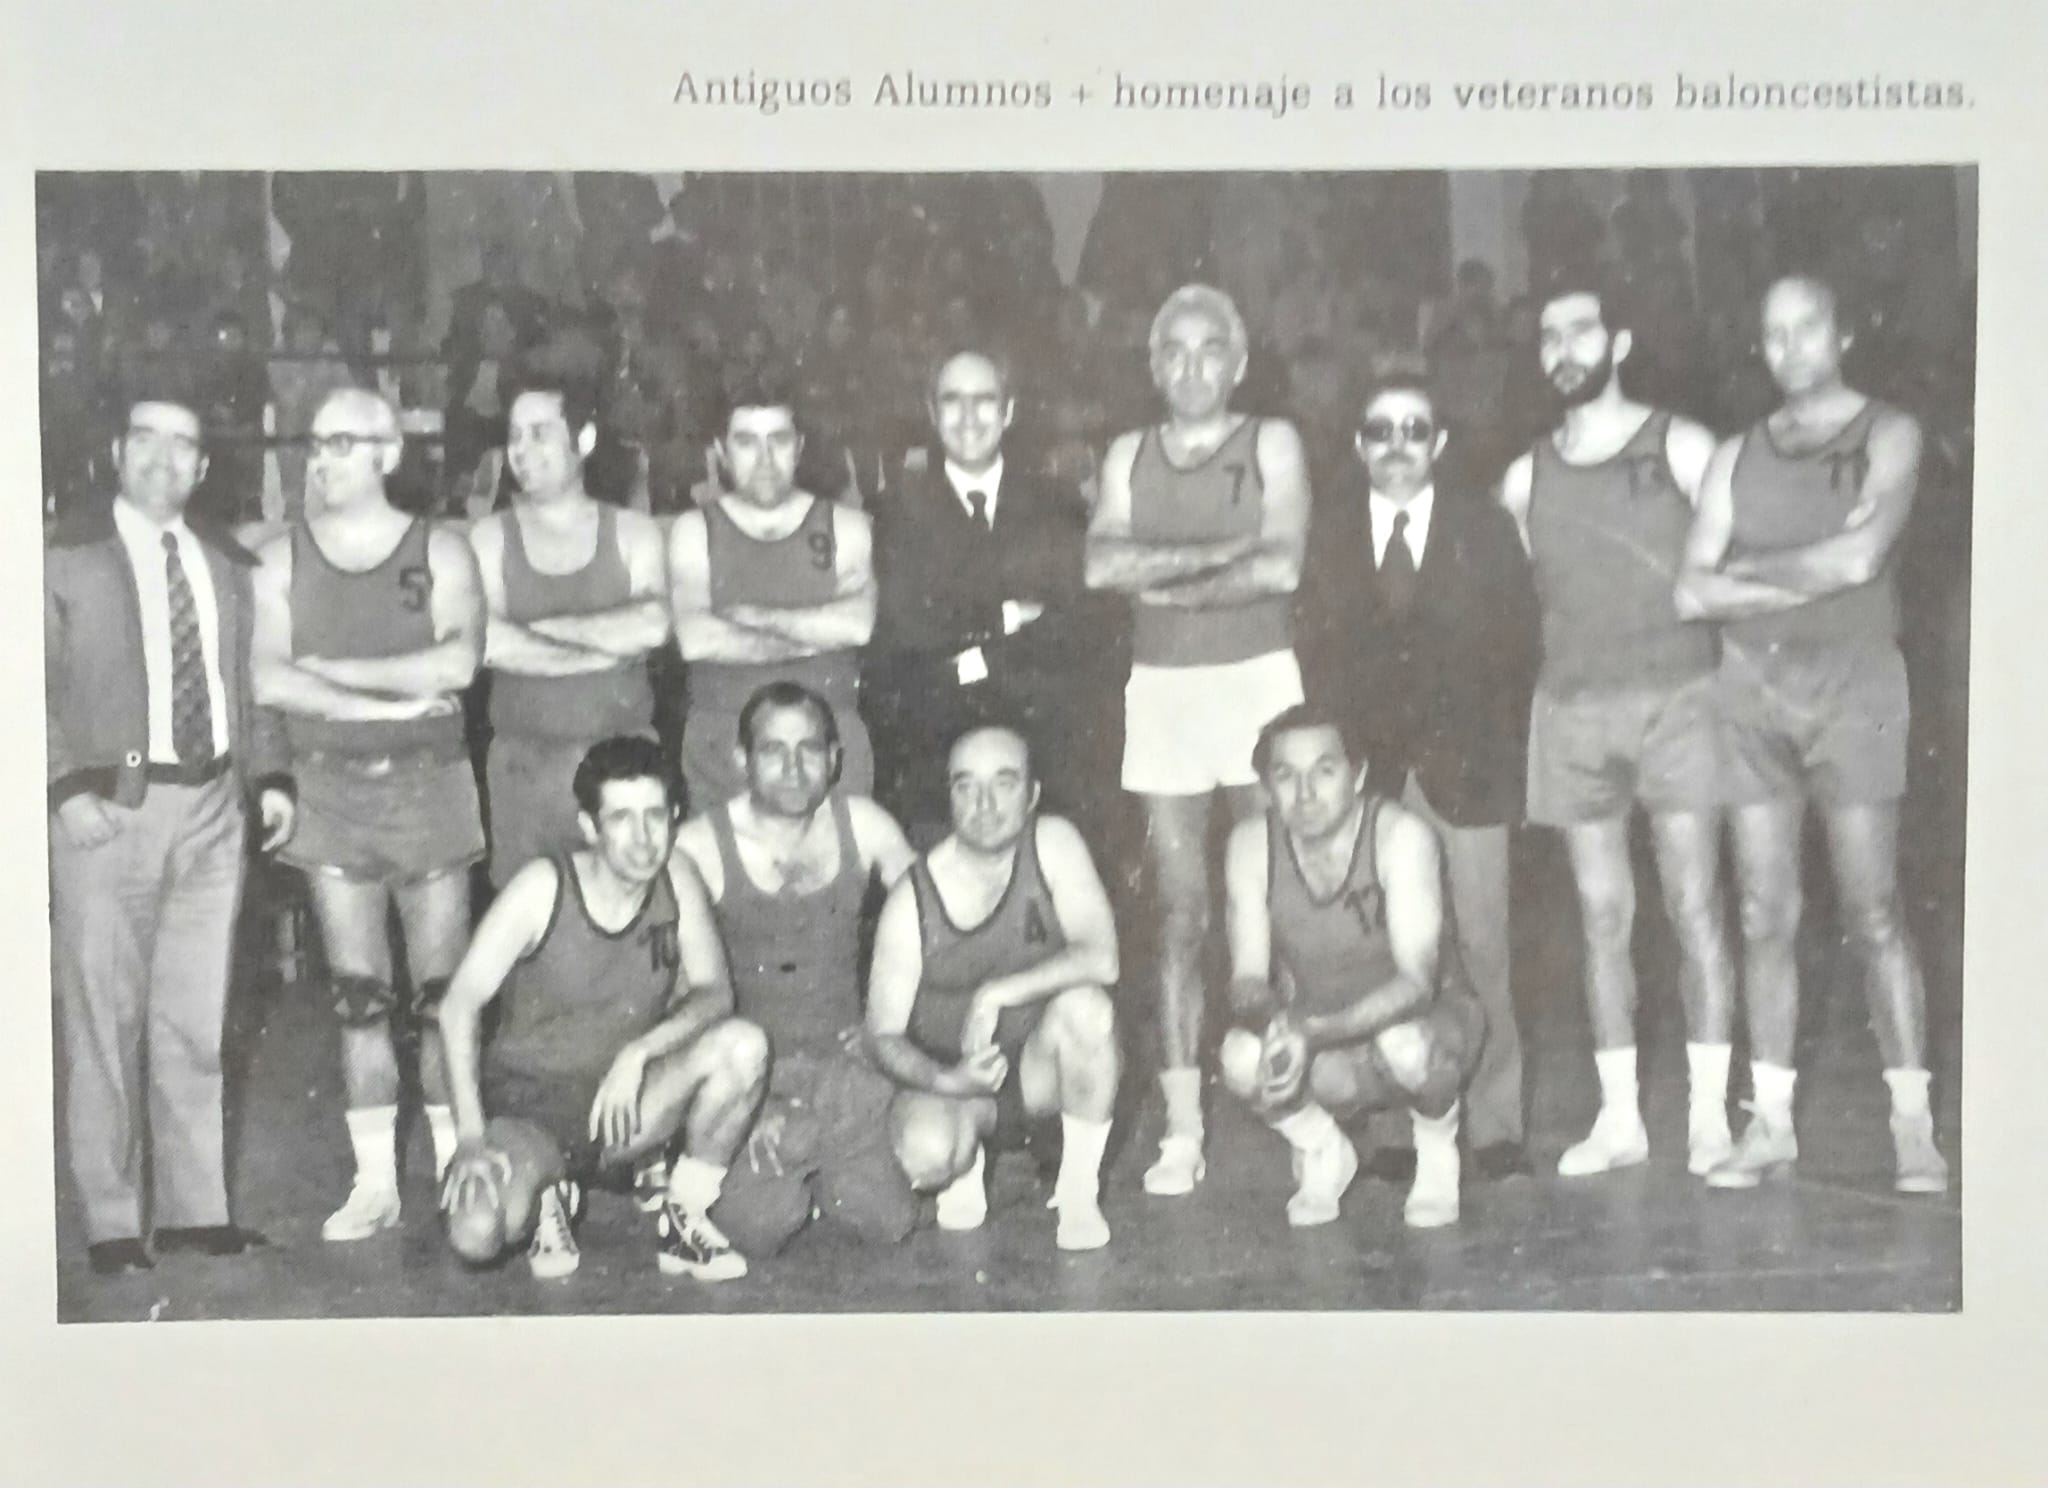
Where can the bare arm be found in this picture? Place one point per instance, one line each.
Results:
(1089, 957)
(1857, 553)
(842, 623)
(881, 842)
(510, 929)
(628, 631)
(1411, 879)
(1703, 591)
(703, 634)
(1114, 559)
(1273, 565)
(281, 682)
(1688, 448)
(449, 664)
(1516, 482)
(508, 645)
(1249, 925)
(893, 974)
(697, 842)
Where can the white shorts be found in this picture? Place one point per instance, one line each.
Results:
(1188, 730)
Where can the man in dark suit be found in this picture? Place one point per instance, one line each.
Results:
(982, 611)
(1419, 615)
(154, 742)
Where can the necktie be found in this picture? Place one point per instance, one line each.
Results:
(191, 707)
(977, 508)
(1397, 568)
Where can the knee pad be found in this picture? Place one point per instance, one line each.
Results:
(361, 1001)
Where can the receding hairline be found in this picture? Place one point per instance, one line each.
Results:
(1811, 284)
(362, 400)
(990, 730)
(1204, 300)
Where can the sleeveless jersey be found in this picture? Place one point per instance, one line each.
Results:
(1220, 496)
(1336, 948)
(1022, 930)
(585, 992)
(591, 705)
(1786, 501)
(382, 611)
(800, 569)
(795, 958)
(1607, 540)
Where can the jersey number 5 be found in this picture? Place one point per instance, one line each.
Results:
(415, 586)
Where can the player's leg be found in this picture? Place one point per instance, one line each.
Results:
(1070, 1064)
(941, 1145)
(1766, 838)
(698, 1104)
(1177, 832)
(434, 913)
(1605, 883)
(1689, 872)
(1863, 846)
(1324, 1159)
(1428, 1061)
(353, 915)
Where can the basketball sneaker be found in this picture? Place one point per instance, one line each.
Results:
(691, 1245)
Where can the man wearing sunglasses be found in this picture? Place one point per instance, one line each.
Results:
(1202, 522)
(154, 744)
(1624, 710)
(1418, 617)
(369, 626)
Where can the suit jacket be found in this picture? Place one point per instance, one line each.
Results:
(1445, 691)
(96, 690)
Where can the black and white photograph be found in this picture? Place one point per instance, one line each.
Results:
(1002, 742)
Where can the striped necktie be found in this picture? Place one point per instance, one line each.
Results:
(191, 705)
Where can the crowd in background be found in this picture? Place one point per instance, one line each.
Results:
(665, 300)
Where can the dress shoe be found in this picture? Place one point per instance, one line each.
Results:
(213, 1240)
(118, 1257)
(1392, 1165)
(1497, 1160)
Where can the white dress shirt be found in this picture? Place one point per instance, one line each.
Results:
(144, 540)
(1419, 507)
(989, 483)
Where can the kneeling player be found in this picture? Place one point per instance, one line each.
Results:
(1345, 978)
(988, 997)
(616, 1041)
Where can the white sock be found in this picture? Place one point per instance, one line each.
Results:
(1308, 1129)
(1909, 1091)
(694, 1184)
(441, 1124)
(1435, 1131)
(1081, 1144)
(1617, 1071)
(1706, 1067)
(1771, 1086)
(373, 1133)
(1183, 1091)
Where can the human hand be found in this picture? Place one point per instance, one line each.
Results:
(280, 814)
(476, 1173)
(615, 1113)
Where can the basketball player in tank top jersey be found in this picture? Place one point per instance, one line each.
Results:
(576, 594)
(1202, 521)
(1792, 553)
(989, 994)
(369, 626)
(616, 1038)
(1345, 978)
(788, 866)
(767, 583)
(1624, 711)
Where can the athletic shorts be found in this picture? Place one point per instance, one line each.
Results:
(559, 1104)
(1820, 723)
(532, 800)
(1594, 755)
(834, 1154)
(1456, 1020)
(1188, 730)
(711, 776)
(385, 821)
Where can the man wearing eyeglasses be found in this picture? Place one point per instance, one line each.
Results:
(369, 625)
(154, 743)
(1624, 711)
(1202, 522)
(1418, 618)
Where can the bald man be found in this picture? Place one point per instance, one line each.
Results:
(369, 625)
(1792, 551)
